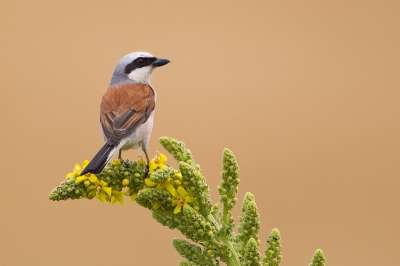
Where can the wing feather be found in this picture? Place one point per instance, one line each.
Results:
(124, 108)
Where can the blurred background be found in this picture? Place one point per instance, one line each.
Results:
(306, 94)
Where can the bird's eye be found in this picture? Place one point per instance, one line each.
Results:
(140, 61)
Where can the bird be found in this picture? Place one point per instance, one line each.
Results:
(127, 109)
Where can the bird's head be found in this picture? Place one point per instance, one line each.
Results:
(137, 67)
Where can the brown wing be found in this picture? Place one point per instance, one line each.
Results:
(124, 108)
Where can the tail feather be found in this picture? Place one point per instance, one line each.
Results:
(100, 160)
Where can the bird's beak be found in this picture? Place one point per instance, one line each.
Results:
(160, 62)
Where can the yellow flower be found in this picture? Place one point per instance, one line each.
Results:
(77, 169)
(89, 176)
(157, 162)
(125, 182)
(166, 184)
(133, 196)
(116, 196)
(116, 162)
(99, 190)
(180, 198)
(70, 175)
(152, 184)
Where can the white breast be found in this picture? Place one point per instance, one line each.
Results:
(140, 135)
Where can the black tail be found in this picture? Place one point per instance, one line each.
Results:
(100, 160)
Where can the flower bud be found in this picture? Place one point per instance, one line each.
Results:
(273, 251)
(318, 258)
(149, 196)
(178, 150)
(91, 194)
(178, 175)
(192, 252)
(249, 222)
(251, 254)
(195, 183)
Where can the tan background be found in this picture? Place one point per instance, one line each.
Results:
(306, 93)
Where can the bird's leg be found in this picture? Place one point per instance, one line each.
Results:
(144, 148)
(120, 158)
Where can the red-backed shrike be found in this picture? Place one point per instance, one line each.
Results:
(127, 108)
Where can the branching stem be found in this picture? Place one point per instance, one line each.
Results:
(232, 260)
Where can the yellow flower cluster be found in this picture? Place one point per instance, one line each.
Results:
(180, 197)
(163, 188)
(95, 187)
(98, 186)
(158, 162)
(77, 170)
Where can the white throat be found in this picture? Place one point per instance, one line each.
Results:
(142, 75)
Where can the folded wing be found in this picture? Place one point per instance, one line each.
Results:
(124, 108)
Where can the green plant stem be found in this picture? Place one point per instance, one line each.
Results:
(224, 219)
(232, 260)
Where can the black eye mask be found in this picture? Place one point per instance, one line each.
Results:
(139, 63)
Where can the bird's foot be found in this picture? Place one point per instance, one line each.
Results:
(124, 163)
